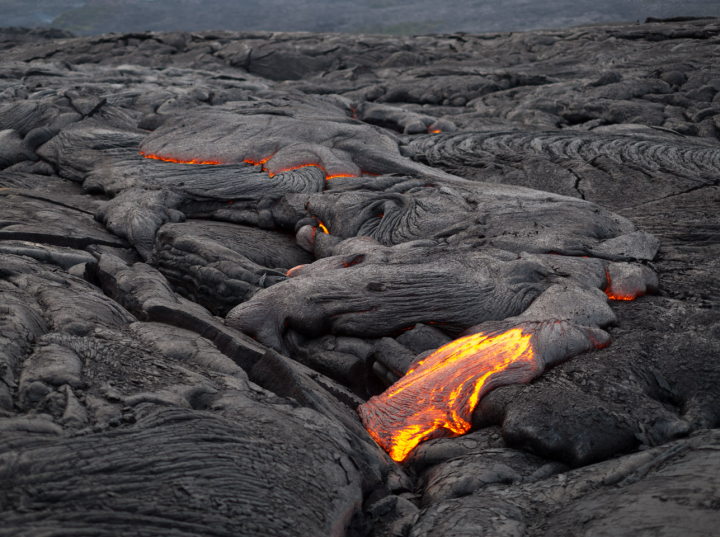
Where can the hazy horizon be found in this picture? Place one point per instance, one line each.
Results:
(402, 17)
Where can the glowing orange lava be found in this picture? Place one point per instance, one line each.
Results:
(257, 162)
(290, 273)
(322, 226)
(328, 177)
(620, 297)
(260, 163)
(442, 391)
(435, 132)
(437, 397)
(179, 161)
(615, 294)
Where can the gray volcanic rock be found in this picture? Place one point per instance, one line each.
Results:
(369, 295)
(643, 481)
(590, 165)
(54, 255)
(223, 264)
(396, 210)
(423, 338)
(281, 141)
(67, 303)
(232, 457)
(27, 218)
(219, 250)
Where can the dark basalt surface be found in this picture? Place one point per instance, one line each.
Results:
(216, 247)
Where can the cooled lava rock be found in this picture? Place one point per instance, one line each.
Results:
(324, 284)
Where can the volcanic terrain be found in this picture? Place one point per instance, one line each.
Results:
(321, 284)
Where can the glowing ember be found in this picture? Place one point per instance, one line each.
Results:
(178, 161)
(612, 296)
(293, 271)
(437, 397)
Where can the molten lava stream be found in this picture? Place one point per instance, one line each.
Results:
(442, 391)
(438, 396)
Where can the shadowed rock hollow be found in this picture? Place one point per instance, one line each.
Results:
(321, 284)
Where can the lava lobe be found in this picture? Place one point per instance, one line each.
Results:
(438, 395)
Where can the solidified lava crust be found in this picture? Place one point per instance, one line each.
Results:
(328, 284)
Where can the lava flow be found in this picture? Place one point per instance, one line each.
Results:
(438, 396)
(612, 296)
(442, 391)
(179, 161)
(260, 163)
(614, 293)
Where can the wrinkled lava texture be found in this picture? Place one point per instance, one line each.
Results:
(321, 284)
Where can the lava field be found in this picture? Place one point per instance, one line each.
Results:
(321, 284)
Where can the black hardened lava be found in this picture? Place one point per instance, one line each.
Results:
(323, 284)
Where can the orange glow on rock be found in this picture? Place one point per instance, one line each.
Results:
(180, 161)
(435, 132)
(437, 397)
(260, 163)
(322, 226)
(614, 294)
(620, 297)
(291, 168)
(292, 272)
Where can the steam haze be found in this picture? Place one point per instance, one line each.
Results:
(402, 17)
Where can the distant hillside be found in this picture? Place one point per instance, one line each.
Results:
(363, 16)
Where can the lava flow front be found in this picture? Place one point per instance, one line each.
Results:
(622, 291)
(438, 396)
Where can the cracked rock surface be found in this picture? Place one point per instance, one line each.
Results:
(222, 254)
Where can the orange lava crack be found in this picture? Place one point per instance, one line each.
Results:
(260, 163)
(179, 161)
